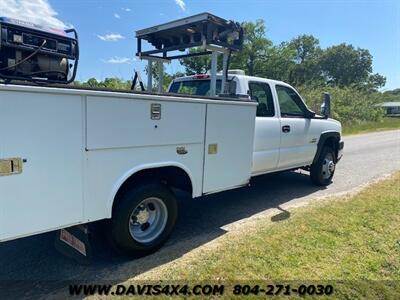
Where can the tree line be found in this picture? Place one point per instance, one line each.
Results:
(298, 62)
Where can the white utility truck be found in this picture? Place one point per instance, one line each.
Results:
(71, 156)
(288, 135)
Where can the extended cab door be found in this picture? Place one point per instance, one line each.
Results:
(298, 146)
(267, 130)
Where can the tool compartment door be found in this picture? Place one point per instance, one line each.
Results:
(229, 146)
(47, 131)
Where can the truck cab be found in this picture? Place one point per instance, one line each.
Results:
(288, 135)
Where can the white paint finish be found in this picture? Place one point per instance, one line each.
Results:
(295, 147)
(232, 128)
(270, 153)
(125, 95)
(47, 130)
(266, 144)
(63, 185)
(298, 147)
(108, 169)
(124, 123)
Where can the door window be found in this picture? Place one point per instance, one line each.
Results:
(290, 102)
(261, 92)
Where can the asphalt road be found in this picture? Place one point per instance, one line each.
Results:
(32, 267)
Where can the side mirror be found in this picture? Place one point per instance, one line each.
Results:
(326, 105)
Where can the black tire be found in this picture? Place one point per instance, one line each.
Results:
(120, 233)
(319, 175)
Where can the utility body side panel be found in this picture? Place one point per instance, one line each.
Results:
(123, 123)
(47, 131)
(229, 146)
(80, 147)
(122, 139)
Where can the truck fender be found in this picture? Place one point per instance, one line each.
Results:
(137, 169)
(323, 138)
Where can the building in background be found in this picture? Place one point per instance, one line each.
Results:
(392, 109)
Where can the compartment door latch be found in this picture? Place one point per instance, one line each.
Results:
(10, 166)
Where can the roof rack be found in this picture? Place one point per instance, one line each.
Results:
(212, 34)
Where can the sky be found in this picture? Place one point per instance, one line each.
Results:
(107, 27)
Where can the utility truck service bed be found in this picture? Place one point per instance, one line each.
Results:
(80, 147)
(71, 156)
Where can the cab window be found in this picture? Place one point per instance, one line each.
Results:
(194, 87)
(261, 92)
(290, 102)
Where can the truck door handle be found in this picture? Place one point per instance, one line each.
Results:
(286, 128)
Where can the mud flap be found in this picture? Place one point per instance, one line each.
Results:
(74, 243)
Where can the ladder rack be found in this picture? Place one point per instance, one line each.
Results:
(212, 34)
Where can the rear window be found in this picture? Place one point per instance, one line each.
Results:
(194, 87)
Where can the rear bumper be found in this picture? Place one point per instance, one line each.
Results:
(340, 150)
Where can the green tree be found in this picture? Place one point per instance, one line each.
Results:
(391, 96)
(167, 79)
(197, 64)
(92, 82)
(395, 92)
(375, 81)
(278, 63)
(306, 48)
(350, 105)
(251, 58)
(255, 49)
(344, 65)
(307, 53)
(108, 83)
(116, 83)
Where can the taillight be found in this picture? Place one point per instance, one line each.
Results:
(201, 76)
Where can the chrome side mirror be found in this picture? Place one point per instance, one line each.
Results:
(326, 105)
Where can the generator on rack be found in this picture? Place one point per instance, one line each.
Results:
(30, 52)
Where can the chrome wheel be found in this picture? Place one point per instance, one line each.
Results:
(328, 166)
(148, 220)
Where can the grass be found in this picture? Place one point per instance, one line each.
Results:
(351, 242)
(385, 124)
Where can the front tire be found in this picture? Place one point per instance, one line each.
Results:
(322, 171)
(143, 219)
